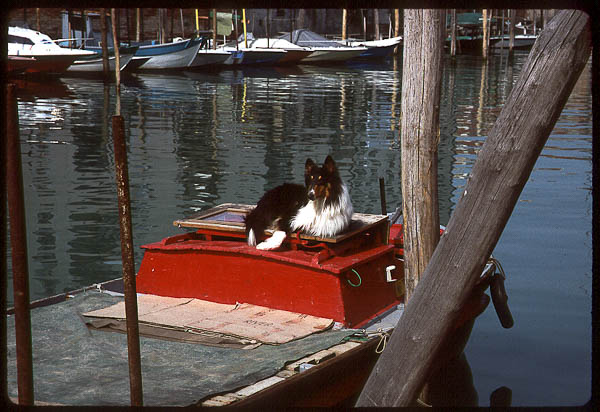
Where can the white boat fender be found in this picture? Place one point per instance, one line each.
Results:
(388, 273)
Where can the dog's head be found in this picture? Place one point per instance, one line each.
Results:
(321, 182)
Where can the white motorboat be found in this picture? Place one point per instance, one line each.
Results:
(49, 57)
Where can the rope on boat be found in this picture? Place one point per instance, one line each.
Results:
(382, 342)
(359, 280)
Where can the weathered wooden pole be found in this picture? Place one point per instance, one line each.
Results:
(396, 23)
(18, 242)
(115, 36)
(37, 19)
(214, 27)
(453, 33)
(3, 266)
(511, 31)
(419, 135)
(376, 23)
(182, 25)
(104, 40)
(344, 24)
(486, 30)
(138, 24)
(131, 312)
(500, 172)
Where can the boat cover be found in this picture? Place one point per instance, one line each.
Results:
(252, 324)
(307, 38)
(74, 365)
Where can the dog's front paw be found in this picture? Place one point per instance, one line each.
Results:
(273, 242)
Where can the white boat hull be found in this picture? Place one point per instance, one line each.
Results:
(175, 60)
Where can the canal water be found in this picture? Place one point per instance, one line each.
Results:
(204, 138)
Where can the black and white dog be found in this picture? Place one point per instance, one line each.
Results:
(321, 208)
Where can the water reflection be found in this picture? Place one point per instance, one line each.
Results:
(198, 139)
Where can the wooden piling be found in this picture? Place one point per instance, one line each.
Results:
(214, 26)
(511, 32)
(486, 30)
(453, 33)
(113, 16)
(138, 24)
(104, 40)
(419, 135)
(344, 24)
(500, 172)
(131, 313)
(3, 267)
(18, 242)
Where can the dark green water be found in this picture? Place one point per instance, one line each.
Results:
(200, 139)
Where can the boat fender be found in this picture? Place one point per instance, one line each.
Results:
(500, 300)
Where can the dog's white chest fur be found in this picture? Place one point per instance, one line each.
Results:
(319, 220)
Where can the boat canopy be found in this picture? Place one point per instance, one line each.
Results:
(307, 38)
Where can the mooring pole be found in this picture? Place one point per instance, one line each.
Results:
(419, 135)
(486, 30)
(501, 170)
(214, 27)
(453, 33)
(104, 40)
(131, 313)
(18, 242)
(115, 36)
(3, 271)
(344, 24)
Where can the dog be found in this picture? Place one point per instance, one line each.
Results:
(321, 208)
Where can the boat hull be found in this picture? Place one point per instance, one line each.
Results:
(96, 65)
(209, 57)
(168, 58)
(332, 54)
(350, 290)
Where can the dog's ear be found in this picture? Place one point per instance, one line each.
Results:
(329, 165)
(308, 165)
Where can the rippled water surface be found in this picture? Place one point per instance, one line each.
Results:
(200, 139)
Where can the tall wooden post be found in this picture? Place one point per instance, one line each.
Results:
(113, 14)
(214, 26)
(501, 170)
(344, 24)
(511, 33)
(104, 40)
(376, 23)
(182, 26)
(139, 30)
(129, 289)
(421, 86)
(453, 33)
(37, 19)
(396, 23)
(18, 242)
(486, 29)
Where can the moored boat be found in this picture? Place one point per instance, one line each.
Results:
(209, 57)
(252, 56)
(521, 41)
(209, 287)
(293, 52)
(93, 63)
(376, 49)
(323, 50)
(48, 56)
(179, 54)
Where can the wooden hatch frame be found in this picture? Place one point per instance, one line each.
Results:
(229, 218)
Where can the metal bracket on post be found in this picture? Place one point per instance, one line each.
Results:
(388, 273)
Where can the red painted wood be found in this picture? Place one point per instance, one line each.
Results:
(231, 271)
